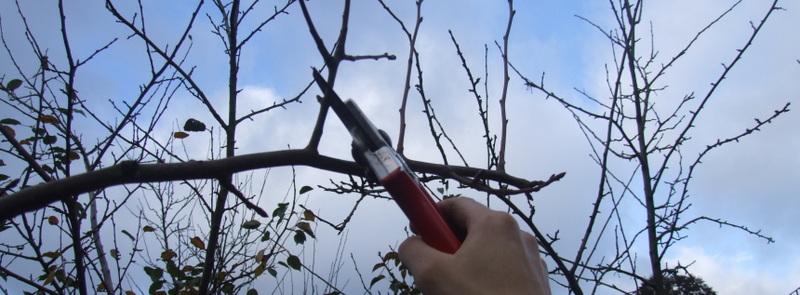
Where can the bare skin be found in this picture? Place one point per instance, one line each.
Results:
(495, 258)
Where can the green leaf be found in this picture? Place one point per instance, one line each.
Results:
(265, 237)
(280, 211)
(272, 272)
(155, 287)
(13, 84)
(252, 292)
(128, 234)
(193, 125)
(51, 254)
(39, 131)
(9, 121)
(172, 269)
(50, 139)
(48, 169)
(306, 227)
(294, 262)
(376, 279)
(390, 255)
(2, 163)
(260, 269)
(114, 254)
(154, 273)
(305, 189)
(50, 276)
(251, 224)
(48, 119)
(299, 237)
(3, 177)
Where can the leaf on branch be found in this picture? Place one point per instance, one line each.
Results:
(227, 288)
(308, 215)
(129, 234)
(193, 125)
(294, 262)
(13, 84)
(378, 265)
(51, 254)
(48, 119)
(265, 237)
(197, 242)
(180, 135)
(50, 139)
(299, 237)
(73, 156)
(168, 255)
(155, 274)
(260, 255)
(376, 279)
(251, 224)
(9, 121)
(130, 292)
(260, 269)
(306, 227)
(148, 229)
(280, 211)
(305, 189)
(115, 254)
(50, 276)
(52, 220)
(390, 256)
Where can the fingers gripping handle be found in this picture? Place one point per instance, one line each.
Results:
(425, 216)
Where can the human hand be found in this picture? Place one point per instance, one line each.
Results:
(495, 258)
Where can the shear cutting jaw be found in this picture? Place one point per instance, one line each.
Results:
(375, 151)
(380, 158)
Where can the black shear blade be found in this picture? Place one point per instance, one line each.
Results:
(351, 116)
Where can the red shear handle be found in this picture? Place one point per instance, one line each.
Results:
(426, 218)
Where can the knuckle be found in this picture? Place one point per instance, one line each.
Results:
(529, 239)
(501, 220)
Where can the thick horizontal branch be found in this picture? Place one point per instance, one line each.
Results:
(39, 196)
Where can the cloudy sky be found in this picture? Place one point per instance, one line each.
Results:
(753, 182)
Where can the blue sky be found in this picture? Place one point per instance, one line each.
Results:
(753, 183)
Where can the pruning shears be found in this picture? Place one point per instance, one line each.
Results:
(372, 146)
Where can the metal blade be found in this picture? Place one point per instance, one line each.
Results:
(351, 116)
